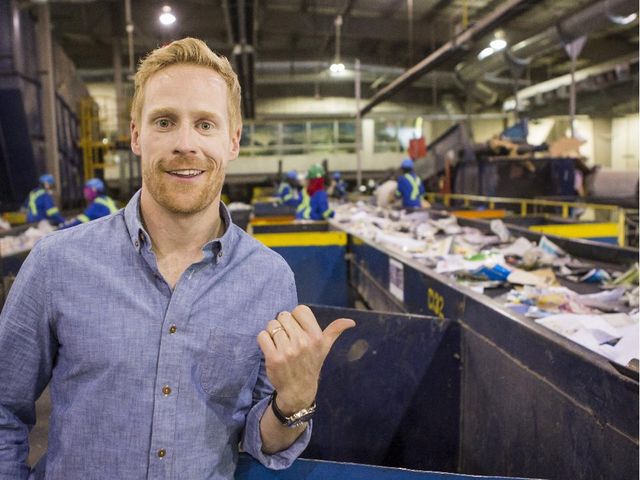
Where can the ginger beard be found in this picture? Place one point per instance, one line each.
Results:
(179, 197)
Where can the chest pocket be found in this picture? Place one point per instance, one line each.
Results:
(230, 364)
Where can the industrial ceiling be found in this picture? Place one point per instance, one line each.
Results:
(421, 52)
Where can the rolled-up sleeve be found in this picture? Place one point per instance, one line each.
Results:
(252, 442)
(27, 348)
(251, 438)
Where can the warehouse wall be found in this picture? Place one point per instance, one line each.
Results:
(624, 143)
(296, 106)
(104, 95)
(602, 142)
(611, 143)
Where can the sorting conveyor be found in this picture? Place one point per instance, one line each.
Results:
(532, 402)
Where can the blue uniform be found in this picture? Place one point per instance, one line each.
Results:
(410, 188)
(288, 195)
(315, 207)
(40, 206)
(340, 189)
(100, 207)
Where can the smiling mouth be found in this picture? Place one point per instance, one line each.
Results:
(185, 173)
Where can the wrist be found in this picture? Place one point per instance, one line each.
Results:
(289, 405)
(291, 418)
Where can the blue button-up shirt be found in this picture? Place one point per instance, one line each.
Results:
(146, 382)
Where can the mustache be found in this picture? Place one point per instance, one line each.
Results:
(187, 163)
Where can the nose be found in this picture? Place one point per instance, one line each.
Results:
(185, 142)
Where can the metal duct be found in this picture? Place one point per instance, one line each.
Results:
(592, 18)
(451, 105)
(484, 25)
(240, 19)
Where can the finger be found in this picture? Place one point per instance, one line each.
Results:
(334, 330)
(266, 344)
(272, 326)
(294, 330)
(306, 319)
(278, 334)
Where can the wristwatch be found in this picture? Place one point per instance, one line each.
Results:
(295, 419)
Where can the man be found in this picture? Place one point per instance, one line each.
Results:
(159, 376)
(40, 204)
(99, 204)
(410, 187)
(315, 204)
(288, 190)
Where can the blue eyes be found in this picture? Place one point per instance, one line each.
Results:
(165, 123)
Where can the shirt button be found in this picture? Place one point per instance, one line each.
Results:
(162, 453)
(166, 390)
(172, 329)
(220, 253)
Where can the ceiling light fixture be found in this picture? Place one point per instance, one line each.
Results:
(167, 17)
(623, 20)
(337, 67)
(485, 52)
(498, 44)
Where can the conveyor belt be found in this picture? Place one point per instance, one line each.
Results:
(536, 391)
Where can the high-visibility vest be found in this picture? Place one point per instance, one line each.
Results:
(415, 185)
(107, 202)
(304, 209)
(33, 197)
(285, 197)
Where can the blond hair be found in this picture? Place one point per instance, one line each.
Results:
(189, 51)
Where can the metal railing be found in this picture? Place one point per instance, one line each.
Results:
(531, 206)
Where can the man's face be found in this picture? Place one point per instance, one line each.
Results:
(183, 138)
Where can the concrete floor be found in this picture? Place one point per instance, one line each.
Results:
(38, 436)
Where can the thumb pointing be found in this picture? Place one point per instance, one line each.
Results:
(335, 329)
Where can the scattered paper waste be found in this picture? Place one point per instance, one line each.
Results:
(239, 206)
(10, 245)
(605, 322)
(500, 229)
(614, 336)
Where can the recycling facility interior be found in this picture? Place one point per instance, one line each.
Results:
(522, 121)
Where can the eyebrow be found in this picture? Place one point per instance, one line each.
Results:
(161, 112)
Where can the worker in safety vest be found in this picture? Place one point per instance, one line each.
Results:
(288, 191)
(410, 187)
(40, 204)
(100, 205)
(338, 187)
(315, 202)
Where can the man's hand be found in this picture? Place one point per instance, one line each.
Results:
(294, 348)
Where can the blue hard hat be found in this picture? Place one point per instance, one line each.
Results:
(95, 184)
(47, 178)
(292, 174)
(337, 175)
(407, 163)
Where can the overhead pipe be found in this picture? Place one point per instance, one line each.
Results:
(129, 28)
(590, 19)
(483, 26)
(240, 19)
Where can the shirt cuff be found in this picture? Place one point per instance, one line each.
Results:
(252, 441)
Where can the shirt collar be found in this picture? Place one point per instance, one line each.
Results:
(215, 249)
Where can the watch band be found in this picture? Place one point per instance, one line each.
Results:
(295, 419)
